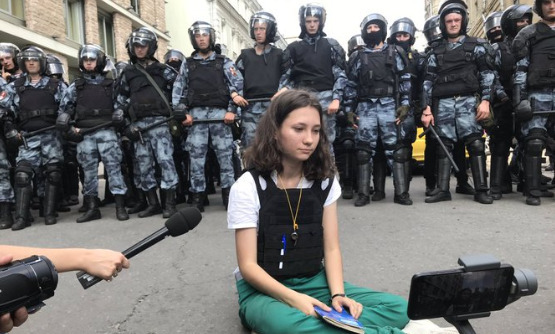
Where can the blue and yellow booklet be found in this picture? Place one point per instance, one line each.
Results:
(342, 320)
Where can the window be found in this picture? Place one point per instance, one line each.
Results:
(13, 7)
(135, 6)
(74, 21)
(106, 34)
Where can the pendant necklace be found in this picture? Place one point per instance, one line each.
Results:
(294, 235)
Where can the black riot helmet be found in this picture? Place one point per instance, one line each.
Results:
(12, 50)
(431, 30)
(92, 51)
(447, 2)
(493, 20)
(454, 7)
(144, 37)
(32, 53)
(374, 19)
(404, 25)
(54, 66)
(355, 43)
(202, 27)
(271, 25)
(510, 17)
(315, 10)
(173, 54)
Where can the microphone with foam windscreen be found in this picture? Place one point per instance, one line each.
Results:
(179, 223)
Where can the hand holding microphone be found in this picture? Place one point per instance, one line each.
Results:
(180, 223)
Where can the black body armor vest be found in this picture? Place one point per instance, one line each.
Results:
(94, 104)
(262, 73)
(457, 72)
(145, 101)
(303, 259)
(312, 69)
(37, 106)
(207, 87)
(541, 72)
(377, 78)
(507, 69)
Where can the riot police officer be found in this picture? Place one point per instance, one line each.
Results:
(459, 81)
(89, 103)
(262, 67)
(316, 62)
(534, 86)
(208, 87)
(383, 95)
(143, 92)
(35, 99)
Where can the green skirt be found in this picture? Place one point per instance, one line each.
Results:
(383, 313)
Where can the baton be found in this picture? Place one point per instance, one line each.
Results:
(208, 121)
(151, 126)
(260, 99)
(543, 112)
(26, 135)
(431, 129)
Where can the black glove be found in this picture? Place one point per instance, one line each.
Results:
(118, 118)
(402, 112)
(73, 136)
(523, 111)
(13, 138)
(132, 132)
(62, 122)
(180, 112)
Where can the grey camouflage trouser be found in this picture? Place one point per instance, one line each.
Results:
(6, 190)
(102, 144)
(221, 140)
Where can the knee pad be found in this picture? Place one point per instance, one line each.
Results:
(448, 144)
(402, 154)
(22, 179)
(476, 147)
(348, 144)
(363, 156)
(53, 173)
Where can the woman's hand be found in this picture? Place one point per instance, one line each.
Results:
(305, 304)
(104, 263)
(355, 308)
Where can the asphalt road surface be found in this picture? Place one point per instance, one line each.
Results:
(185, 284)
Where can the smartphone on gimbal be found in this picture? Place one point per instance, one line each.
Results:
(459, 292)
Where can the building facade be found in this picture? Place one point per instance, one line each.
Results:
(477, 12)
(60, 27)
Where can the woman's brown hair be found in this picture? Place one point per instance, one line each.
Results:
(264, 154)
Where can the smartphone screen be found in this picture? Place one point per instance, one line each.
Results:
(458, 292)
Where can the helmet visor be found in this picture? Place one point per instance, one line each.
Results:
(313, 11)
(404, 27)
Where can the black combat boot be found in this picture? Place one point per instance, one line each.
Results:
(121, 213)
(92, 213)
(532, 169)
(140, 204)
(50, 204)
(401, 174)
(169, 200)
(478, 167)
(22, 202)
(443, 177)
(225, 196)
(379, 171)
(6, 219)
(498, 167)
(197, 200)
(363, 196)
(153, 207)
